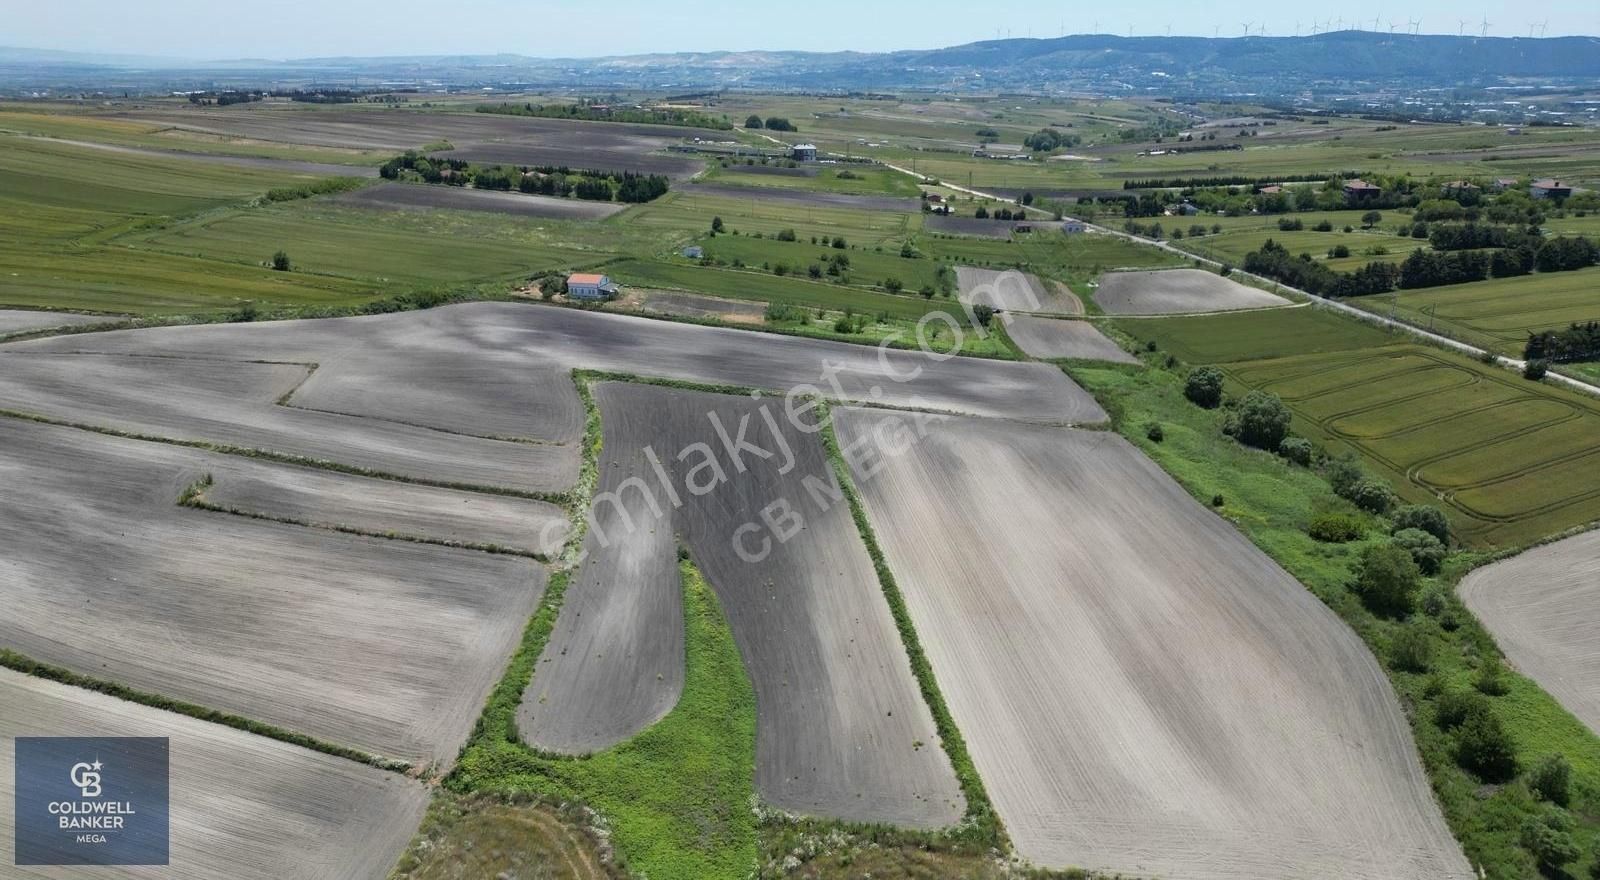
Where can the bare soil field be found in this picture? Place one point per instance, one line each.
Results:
(241, 806)
(694, 305)
(385, 646)
(384, 507)
(407, 196)
(1013, 291)
(1543, 608)
(972, 226)
(236, 403)
(1178, 291)
(841, 727)
(1176, 707)
(476, 137)
(522, 348)
(808, 198)
(1053, 338)
(23, 321)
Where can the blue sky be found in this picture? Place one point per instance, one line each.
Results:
(299, 28)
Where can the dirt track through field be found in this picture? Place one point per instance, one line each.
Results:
(1543, 608)
(1141, 688)
(1052, 338)
(841, 727)
(22, 321)
(423, 197)
(384, 646)
(241, 806)
(1178, 291)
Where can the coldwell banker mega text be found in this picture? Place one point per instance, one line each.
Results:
(91, 801)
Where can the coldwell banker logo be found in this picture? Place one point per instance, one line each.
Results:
(91, 801)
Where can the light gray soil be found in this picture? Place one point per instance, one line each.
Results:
(1013, 291)
(1178, 291)
(385, 646)
(1544, 610)
(384, 507)
(535, 346)
(1141, 688)
(950, 224)
(424, 197)
(841, 727)
(1052, 338)
(241, 806)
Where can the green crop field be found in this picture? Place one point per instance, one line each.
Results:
(865, 181)
(1497, 314)
(686, 213)
(765, 287)
(1511, 460)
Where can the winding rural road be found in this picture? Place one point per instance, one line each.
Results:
(1335, 305)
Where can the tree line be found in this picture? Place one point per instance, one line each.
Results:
(771, 123)
(602, 113)
(548, 180)
(1579, 342)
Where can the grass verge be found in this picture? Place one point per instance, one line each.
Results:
(1271, 501)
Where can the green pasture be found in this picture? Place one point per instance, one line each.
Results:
(868, 267)
(766, 287)
(1499, 313)
(684, 214)
(76, 124)
(861, 181)
(1511, 460)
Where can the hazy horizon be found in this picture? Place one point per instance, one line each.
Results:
(186, 29)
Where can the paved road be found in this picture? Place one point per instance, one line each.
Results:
(1335, 305)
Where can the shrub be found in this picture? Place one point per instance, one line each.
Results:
(1453, 708)
(1226, 270)
(1339, 251)
(1154, 432)
(280, 262)
(1424, 548)
(893, 285)
(1411, 650)
(1263, 420)
(1217, 501)
(1335, 528)
(1372, 495)
(785, 235)
(1203, 387)
(1386, 579)
(1297, 450)
(716, 224)
(1549, 839)
(1535, 370)
(1343, 474)
(1426, 517)
(1434, 602)
(984, 313)
(1551, 779)
(1484, 747)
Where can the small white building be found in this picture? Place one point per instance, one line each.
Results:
(1073, 227)
(587, 286)
(803, 152)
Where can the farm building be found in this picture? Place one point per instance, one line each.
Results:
(1273, 190)
(1360, 190)
(584, 285)
(1501, 184)
(1550, 189)
(1461, 187)
(1073, 227)
(804, 153)
(1187, 209)
(694, 252)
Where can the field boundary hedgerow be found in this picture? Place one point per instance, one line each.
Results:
(28, 666)
(1270, 501)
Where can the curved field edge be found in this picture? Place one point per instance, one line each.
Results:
(1271, 502)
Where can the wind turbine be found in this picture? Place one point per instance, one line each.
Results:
(1486, 26)
(1461, 31)
(1416, 26)
(1542, 25)
(1216, 30)
(1376, 24)
(1297, 27)
(1247, 27)
(1531, 26)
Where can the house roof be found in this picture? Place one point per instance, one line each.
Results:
(1359, 184)
(1550, 183)
(585, 278)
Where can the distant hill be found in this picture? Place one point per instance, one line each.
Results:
(1262, 65)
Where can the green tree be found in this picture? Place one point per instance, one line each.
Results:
(716, 224)
(1484, 747)
(1424, 548)
(984, 313)
(893, 285)
(1371, 219)
(1372, 495)
(1411, 650)
(1426, 517)
(753, 121)
(1297, 450)
(1549, 839)
(280, 262)
(1263, 420)
(1387, 579)
(1203, 387)
(1551, 779)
